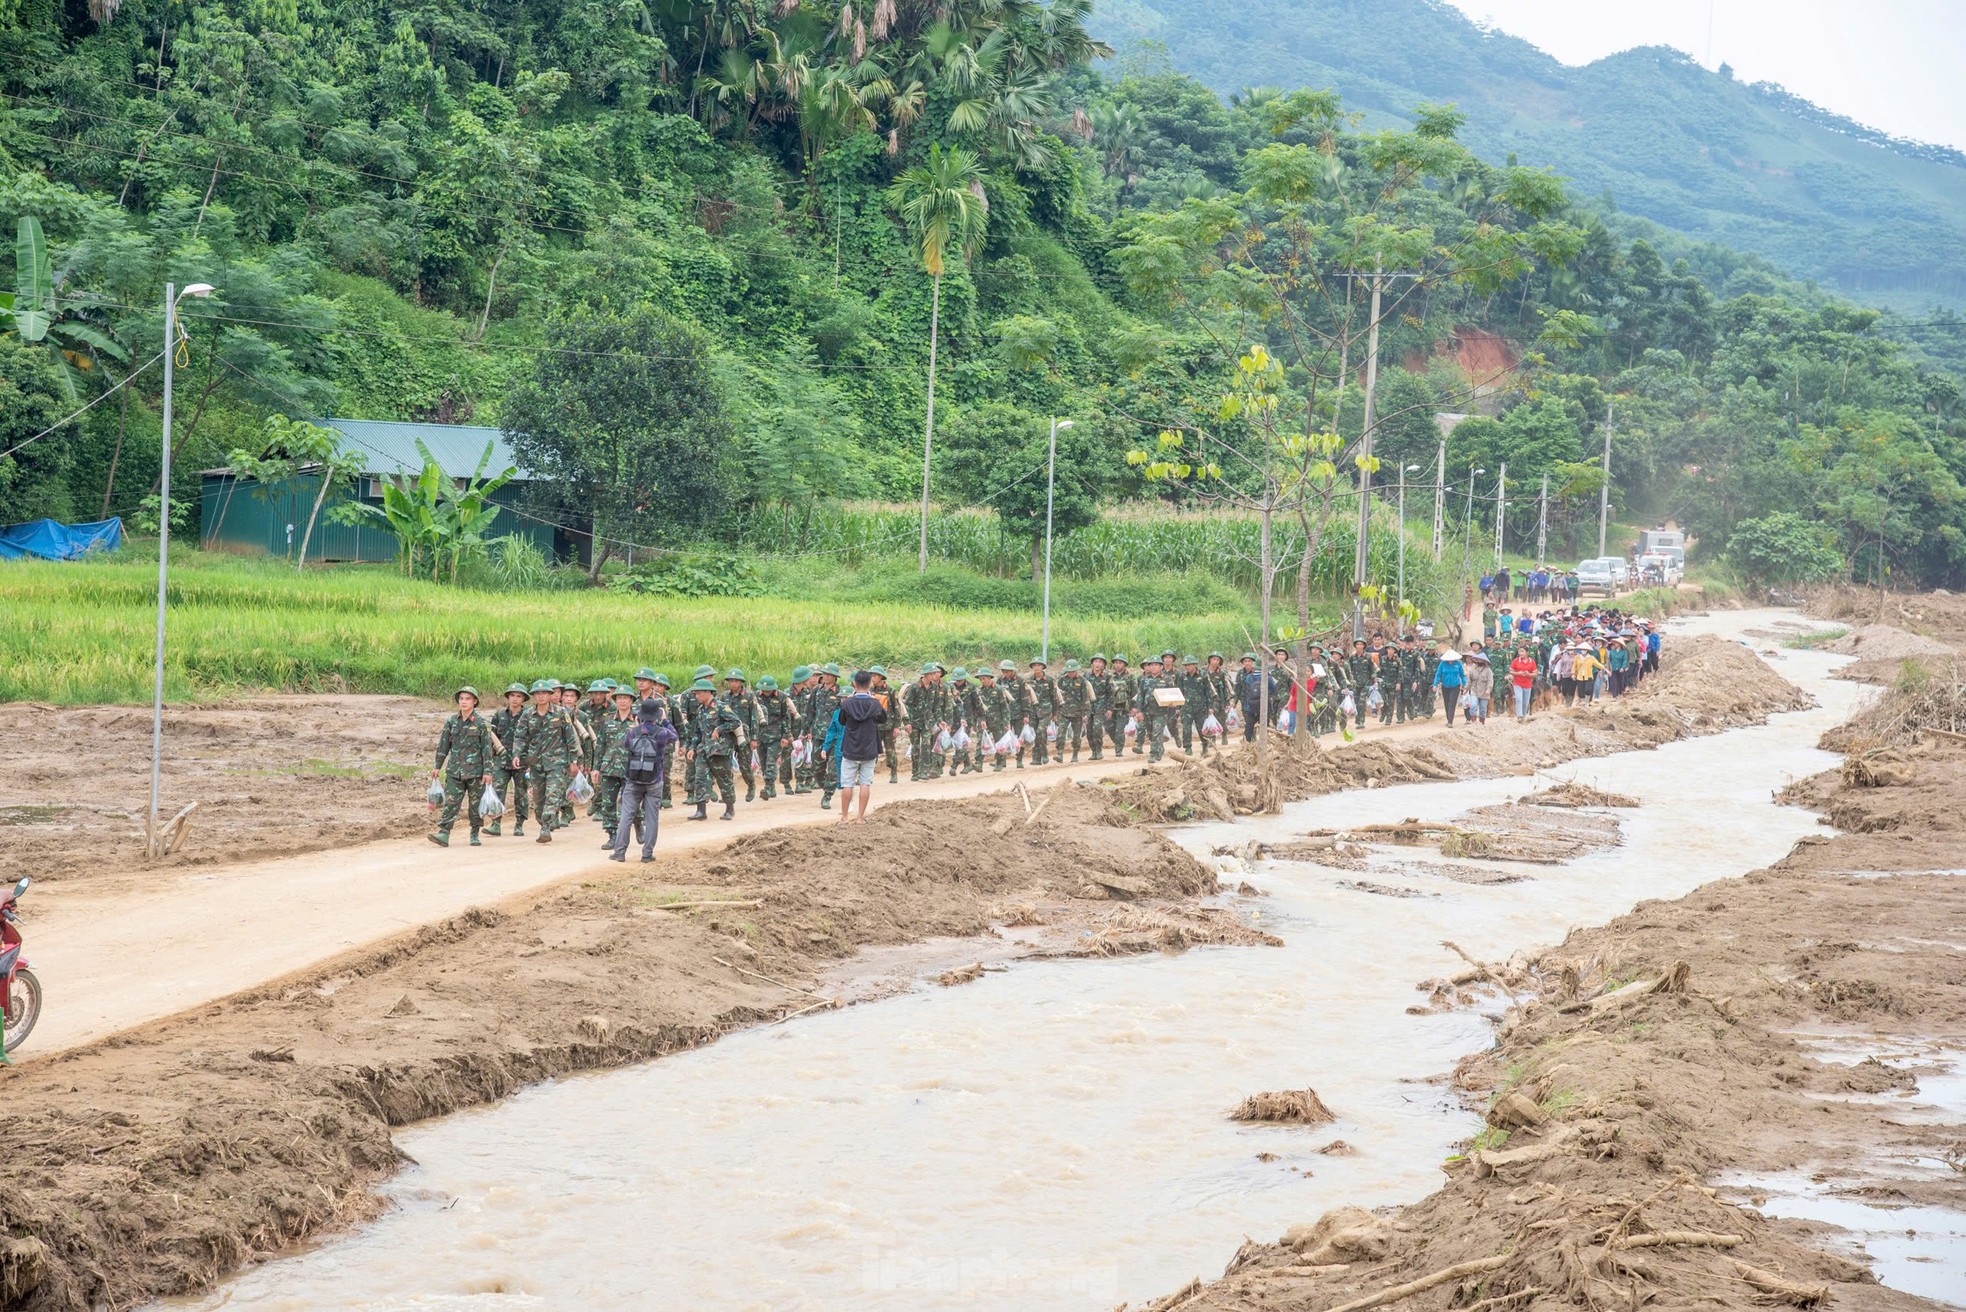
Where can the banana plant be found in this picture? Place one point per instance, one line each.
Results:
(436, 523)
(39, 319)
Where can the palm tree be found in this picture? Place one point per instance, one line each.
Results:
(942, 203)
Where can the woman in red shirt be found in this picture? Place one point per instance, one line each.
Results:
(1522, 676)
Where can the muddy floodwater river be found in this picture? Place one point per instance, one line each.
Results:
(1054, 1135)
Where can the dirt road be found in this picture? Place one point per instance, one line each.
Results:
(119, 944)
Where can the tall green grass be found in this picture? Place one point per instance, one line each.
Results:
(82, 632)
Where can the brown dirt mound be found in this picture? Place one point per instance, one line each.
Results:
(1286, 1107)
(1574, 795)
(1922, 700)
(1885, 642)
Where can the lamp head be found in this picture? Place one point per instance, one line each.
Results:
(199, 289)
(1064, 423)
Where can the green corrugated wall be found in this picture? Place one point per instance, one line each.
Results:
(254, 517)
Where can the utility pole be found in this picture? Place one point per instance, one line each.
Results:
(1604, 492)
(1501, 481)
(1402, 533)
(171, 298)
(1543, 522)
(1362, 549)
(1440, 494)
(1050, 482)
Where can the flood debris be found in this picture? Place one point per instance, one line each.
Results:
(1573, 795)
(1287, 1107)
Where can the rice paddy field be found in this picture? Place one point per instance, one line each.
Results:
(82, 632)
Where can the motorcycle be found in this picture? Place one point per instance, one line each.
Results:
(20, 991)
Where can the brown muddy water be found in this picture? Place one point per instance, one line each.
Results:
(1056, 1134)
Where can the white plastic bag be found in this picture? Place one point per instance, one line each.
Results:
(490, 807)
(436, 794)
(1029, 735)
(959, 739)
(943, 742)
(579, 790)
(1346, 705)
(1235, 719)
(800, 752)
(1007, 745)
(1211, 727)
(1132, 729)
(1051, 731)
(1374, 699)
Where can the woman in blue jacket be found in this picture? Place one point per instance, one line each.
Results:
(1450, 678)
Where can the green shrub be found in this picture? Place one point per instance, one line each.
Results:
(690, 576)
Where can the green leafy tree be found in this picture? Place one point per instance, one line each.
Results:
(291, 448)
(1784, 548)
(622, 424)
(997, 455)
(943, 205)
(34, 475)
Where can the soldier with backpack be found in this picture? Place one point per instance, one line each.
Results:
(644, 750)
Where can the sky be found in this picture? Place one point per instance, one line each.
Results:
(1893, 64)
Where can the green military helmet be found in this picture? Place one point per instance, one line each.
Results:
(467, 688)
(1007, 665)
(1189, 660)
(1215, 655)
(800, 673)
(625, 690)
(1039, 660)
(959, 674)
(1098, 655)
(1249, 655)
(734, 673)
(878, 669)
(1153, 660)
(705, 672)
(1118, 659)
(703, 685)
(938, 667)
(519, 688)
(661, 680)
(600, 685)
(611, 683)
(545, 685)
(1071, 667)
(767, 684)
(984, 671)
(645, 673)
(832, 669)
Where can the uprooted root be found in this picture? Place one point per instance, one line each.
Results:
(1285, 1107)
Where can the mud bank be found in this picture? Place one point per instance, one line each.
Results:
(1658, 1078)
(152, 1163)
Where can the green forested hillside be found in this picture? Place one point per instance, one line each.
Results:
(689, 252)
(1711, 158)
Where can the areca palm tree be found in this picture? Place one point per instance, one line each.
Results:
(942, 202)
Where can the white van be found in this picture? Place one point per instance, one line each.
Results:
(1605, 574)
(1660, 570)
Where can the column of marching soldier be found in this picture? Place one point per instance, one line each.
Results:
(958, 720)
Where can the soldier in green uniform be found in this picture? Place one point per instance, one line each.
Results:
(697, 767)
(1359, 673)
(1153, 717)
(552, 754)
(1429, 664)
(1074, 708)
(778, 725)
(745, 706)
(509, 770)
(1126, 696)
(1324, 690)
(800, 695)
(920, 705)
(1220, 689)
(668, 708)
(955, 699)
(611, 750)
(716, 737)
(825, 704)
(1041, 694)
(465, 759)
(1197, 702)
(891, 699)
(988, 713)
(1012, 689)
(1099, 692)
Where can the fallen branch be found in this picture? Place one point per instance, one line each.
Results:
(1479, 1266)
(1786, 1290)
(1673, 981)
(1033, 817)
(766, 978)
(822, 1003)
(1304, 1272)
(1677, 1239)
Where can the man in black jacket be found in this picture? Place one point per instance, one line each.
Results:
(861, 718)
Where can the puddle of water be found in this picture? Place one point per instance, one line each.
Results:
(1916, 1250)
(1054, 1135)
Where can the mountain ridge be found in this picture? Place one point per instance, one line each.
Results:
(1645, 131)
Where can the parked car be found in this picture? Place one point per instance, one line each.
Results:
(1605, 574)
(1660, 571)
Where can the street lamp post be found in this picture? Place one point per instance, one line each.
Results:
(1050, 482)
(171, 333)
(1403, 472)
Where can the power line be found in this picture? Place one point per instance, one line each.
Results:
(85, 409)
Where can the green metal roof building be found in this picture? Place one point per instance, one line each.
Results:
(237, 513)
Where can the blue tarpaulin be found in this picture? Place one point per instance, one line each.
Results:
(52, 541)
